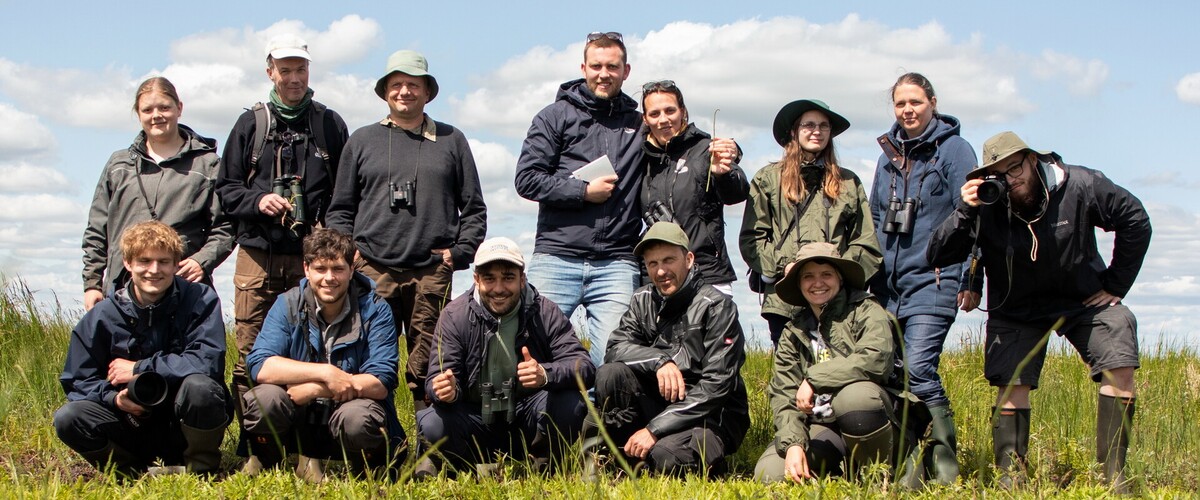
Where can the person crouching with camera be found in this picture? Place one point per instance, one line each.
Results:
(1032, 219)
(144, 369)
(324, 369)
(505, 370)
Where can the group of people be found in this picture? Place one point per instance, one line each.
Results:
(347, 244)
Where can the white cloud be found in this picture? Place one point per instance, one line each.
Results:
(26, 178)
(1188, 88)
(22, 135)
(750, 68)
(1082, 77)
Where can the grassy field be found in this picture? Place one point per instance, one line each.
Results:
(1165, 442)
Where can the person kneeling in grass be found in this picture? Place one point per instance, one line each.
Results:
(834, 390)
(144, 368)
(325, 367)
(671, 392)
(505, 370)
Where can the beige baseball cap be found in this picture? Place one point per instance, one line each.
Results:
(499, 249)
(287, 45)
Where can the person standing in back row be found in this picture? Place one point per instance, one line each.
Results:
(923, 159)
(586, 230)
(409, 193)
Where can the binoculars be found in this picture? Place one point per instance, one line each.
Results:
(994, 187)
(318, 412)
(291, 188)
(657, 212)
(900, 216)
(402, 194)
(497, 402)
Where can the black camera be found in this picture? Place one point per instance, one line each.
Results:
(291, 188)
(993, 189)
(318, 412)
(497, 402)
(657, 212)
(900, 216)
(147, 389)
(402, 194)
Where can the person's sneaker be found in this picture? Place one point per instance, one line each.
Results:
(253, 466)
(425, 469)
(166, 470)
(310, 469)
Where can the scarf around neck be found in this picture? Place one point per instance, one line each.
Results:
(290, 113)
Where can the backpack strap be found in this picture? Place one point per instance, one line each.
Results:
(264, 123)
(316, 127)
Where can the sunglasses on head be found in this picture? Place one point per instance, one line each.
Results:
(659, 85)
(612, 35)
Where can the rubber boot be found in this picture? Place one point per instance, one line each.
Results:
(115, 457)
(912, 470)
(941, 454)
(869, 449)
(1010, 445)
(1114, 419)
(203, 452)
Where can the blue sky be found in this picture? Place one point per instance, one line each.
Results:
(1117, 91)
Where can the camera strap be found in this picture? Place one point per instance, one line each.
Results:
(798, 213)
(137, 173)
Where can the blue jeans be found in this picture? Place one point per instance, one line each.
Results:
(602, 287)
(924, 337)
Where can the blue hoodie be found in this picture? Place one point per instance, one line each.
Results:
(569, 133)
(937, 163)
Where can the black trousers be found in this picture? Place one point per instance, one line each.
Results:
(628, 403)
(199, 402)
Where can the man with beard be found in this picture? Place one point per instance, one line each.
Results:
(1044, 273)
(506, 369)
(671, 391)
(582, 256)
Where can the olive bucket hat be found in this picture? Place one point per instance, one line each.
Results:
(997, 148)
(853, 276)
(409, 62)
(785, 120)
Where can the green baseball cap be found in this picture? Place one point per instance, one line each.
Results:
(666, 232)
(409, 62)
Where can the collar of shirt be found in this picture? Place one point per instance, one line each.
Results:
(428, 129)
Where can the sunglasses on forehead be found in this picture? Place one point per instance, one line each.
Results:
(658, 85)
(611, 35)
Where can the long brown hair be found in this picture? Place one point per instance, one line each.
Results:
(792, 183)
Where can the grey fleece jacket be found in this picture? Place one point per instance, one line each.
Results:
(180, 192)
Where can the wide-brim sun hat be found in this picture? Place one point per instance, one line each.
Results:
(853, 276)
(997, 148)
(785, 120)
(409, 62)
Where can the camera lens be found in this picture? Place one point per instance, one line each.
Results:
(991, 191)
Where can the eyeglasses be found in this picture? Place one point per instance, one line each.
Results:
(811, 127)
(1015, 171)
(611, 35)
(659, 85)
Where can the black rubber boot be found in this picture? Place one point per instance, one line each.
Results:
(1114, 420)
(1010, 445)
(869, 449)
(941, 454)
(115, 457)
(203, 452)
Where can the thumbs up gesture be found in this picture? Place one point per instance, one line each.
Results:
(529, 372)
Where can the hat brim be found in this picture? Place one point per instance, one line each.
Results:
(792, 111)
(510, 260)
(982, 170)
(788, 288)
(647, 243)
(288, 53)
(382, 82)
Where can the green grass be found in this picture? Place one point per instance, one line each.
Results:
(1166, 441)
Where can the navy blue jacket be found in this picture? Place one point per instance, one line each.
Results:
(576, 129)
(369, 348)
(930, 169)
(180, 335)
(466, 327)
(1055, 262)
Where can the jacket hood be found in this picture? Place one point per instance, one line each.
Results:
(939, 128)
(191, 142)
(678, 145)
(577, 93)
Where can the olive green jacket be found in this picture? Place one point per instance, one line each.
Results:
(768, 246)
(862, 344)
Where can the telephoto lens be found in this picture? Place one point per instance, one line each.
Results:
(993, 188)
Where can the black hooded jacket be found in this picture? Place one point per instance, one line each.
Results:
(678, 177)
